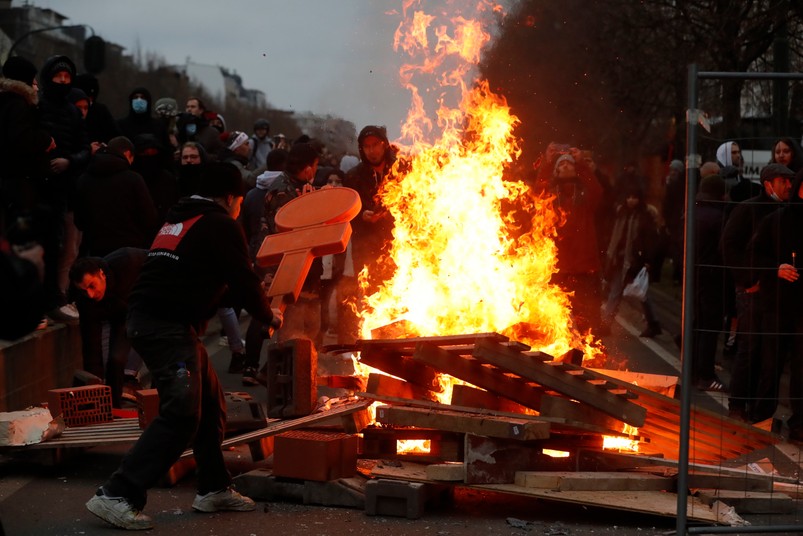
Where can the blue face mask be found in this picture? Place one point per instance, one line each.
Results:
(191, 128)
(140, 106)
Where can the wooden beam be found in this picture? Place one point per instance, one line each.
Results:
(453, 421)
(487, 377)
(467, 396)
(382, 384)
(409, 344)
(551, 377)
(601, 481)
(402, 367)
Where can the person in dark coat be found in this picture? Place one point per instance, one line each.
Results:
(24, 144)
(775, 246)
(103, 286)
(114, 208)
(151, 160)
(742, 223)
(199, 255)
(711, 281)
(140, 118)
(100, 124)
(68, 160)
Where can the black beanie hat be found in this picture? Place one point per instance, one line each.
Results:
(20, 69)
(219, 179)
(373, 130)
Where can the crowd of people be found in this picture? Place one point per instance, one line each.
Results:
(145, 227)
(149, 225)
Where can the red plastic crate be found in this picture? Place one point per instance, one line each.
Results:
(81, 406)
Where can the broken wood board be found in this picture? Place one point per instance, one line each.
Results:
(570, 380)
(589, 460)
(409, 344)
(402, 367)
(750, 502)
(659, 383)
(382, 384)
(658, 503)
(648, 502)
(467, 396)
(446, 472)
(487, 377)
(588, 481)
(559, 425)
(491, 460)
(454, 421)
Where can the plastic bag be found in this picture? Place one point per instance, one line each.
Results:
(638, 287)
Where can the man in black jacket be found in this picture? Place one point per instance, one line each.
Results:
(198, 255)
(740, 227)
(104, 285)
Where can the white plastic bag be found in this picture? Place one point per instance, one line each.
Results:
(638, 287)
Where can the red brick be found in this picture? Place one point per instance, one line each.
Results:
(292, 379)
(313, 455)
(82, 406)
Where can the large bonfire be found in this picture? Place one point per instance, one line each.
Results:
(464, 260)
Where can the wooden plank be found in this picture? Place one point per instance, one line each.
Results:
(402, 367)
(661, 384)
(467, 396)
(750, 502)
(552, 378)
(487, 377)
(602, 481)
(446, 472)
(382, 384)
(558, 406)
(648, 502)
(559, 424)
(409, 344)
(711, 480)
(454, 421)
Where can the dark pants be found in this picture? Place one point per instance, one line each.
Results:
(747, 362)
(192, 410)
(777, 342)
(586, 300)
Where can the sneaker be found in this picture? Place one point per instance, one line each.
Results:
(237, 363)
(118, 511)
(225, 499)
(66, 313)
(250, 376)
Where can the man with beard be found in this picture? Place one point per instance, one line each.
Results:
(103, 285)
(372, 228)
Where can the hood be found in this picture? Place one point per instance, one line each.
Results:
(189, 207)
(266, 179)
(22, 89)
(49, 69)
(146, 95)
(106, 163)
(724, 154)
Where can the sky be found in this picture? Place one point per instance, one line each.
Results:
(325, 56)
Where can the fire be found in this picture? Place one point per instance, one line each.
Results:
(622, 443)
(464, 262)
(413, 446)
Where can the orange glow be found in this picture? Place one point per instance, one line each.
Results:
(413, 446)
(622, 443)
(464, 264)
(555, 453)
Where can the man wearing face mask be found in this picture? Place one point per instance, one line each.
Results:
(57, 191)
(776, 182)
(140, 120)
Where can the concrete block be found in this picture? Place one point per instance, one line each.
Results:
(395, 498)
(261, 484)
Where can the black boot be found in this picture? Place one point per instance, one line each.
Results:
(237, 363)
(653, 330)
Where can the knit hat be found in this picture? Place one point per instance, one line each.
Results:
(676, 165)
(62, 66)
(166, 107)
(76, 95)
(712, 187)
(219, 179)
(561, 158)
(771, 171)
(373, 130)
(20, 69)
(236, 139)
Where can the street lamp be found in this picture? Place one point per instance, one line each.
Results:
(94, 47)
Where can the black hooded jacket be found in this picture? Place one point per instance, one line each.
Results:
(23, 143)
(198, 257)
(135, 124)
(113, 206)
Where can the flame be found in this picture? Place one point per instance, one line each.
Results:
(622, 443)
(413, 446)
(464, 262)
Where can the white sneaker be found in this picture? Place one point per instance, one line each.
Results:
(66, 313)
(226, 499)
(118, 512)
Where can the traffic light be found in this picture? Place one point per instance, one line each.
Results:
(94, 54)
